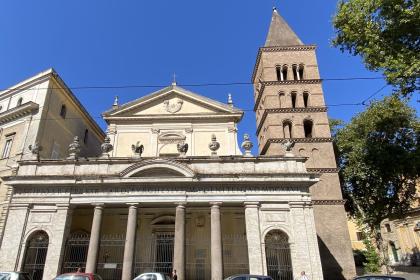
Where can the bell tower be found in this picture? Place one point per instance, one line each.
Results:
(289, 105)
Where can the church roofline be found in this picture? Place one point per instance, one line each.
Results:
(154, 95)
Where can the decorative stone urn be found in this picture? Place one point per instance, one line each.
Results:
(288, 145)
(137, 149)
(106, 147)
(182, 148)
(74, 149)
(214, 145)
(35, 149)
(247, 146)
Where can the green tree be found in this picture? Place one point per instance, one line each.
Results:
(385, 33)
(378, 155)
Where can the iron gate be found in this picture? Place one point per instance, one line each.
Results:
(277, 252)
(235, 254)
(111, 255)
(197, 257)
(75, 253)
(36, 253)
(155, 253)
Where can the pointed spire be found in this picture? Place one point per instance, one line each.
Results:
(280, 34)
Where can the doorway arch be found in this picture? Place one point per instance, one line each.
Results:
(277, 253)
(36, 254)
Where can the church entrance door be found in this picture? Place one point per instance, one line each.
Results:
(277, 252)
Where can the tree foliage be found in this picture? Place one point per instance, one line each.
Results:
(379, 159)
(386, 34)
(373, 260)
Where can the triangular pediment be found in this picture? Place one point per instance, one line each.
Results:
(172, 101)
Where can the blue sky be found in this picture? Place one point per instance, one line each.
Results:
(117, 42)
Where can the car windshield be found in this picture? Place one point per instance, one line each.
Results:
(72, 277)
(4, 276)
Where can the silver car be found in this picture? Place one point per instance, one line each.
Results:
(152, 276)
(13, 275)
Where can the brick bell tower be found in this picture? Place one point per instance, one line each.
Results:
(289, 104)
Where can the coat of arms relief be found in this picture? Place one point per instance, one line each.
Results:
(173, 106)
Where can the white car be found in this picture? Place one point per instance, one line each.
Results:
(14, 276)
(152, 276)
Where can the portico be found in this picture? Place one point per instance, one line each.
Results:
(205, 223)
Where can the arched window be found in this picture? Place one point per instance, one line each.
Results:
(293, 96)
(287, 129)
(19, 102)
(284, 72)
(63, 111)
(295, 72)
(36, 254)
(301, 72)
(281, 99)
(308, 127)
(279, 73)
(86, 136)
(305, 99)
(277, 255)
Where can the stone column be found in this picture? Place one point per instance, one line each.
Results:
(130, 242)
(216, 243)
(95, 233)
(253, 237)
(179, 246)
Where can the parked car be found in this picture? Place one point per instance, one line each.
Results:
(152, 276)
(14, 275)
(78, 276)
(378, 277)
(248, 277)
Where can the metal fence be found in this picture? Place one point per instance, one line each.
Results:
(235, 254)
(75, 252)
(154, 254)
(277, 251)
(197, 258)
(35, 255)
(111, 256)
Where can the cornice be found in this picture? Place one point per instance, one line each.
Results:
(18, 112)
(294, 140)
(323, 170)
(328, 202)
(278, 49)
(278, 83)
(236, 116)
(288, 110)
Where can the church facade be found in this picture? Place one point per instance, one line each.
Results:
(171, 190)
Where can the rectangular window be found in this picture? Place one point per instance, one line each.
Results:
(7, 147)
(388, 228)
(359, 236)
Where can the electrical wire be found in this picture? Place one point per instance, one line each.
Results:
(87, 87)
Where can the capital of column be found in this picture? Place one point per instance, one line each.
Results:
(215, 204)
(133, 205)
(99, 205)
(251, 204)
(180, 205)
